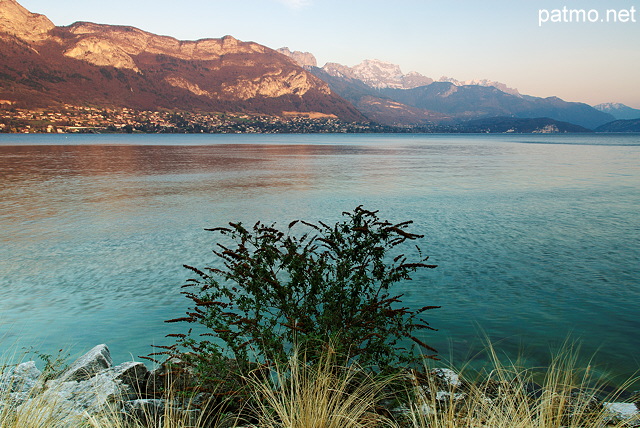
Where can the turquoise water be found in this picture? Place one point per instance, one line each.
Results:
(536, 236)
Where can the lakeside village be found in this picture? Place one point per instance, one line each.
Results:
(76, 119)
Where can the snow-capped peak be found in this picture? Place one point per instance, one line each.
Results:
(481, 82)
(380, 74)
(618, 110)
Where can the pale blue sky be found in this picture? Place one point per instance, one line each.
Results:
(493, 39)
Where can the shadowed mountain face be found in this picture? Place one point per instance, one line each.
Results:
(376, 106)
(619, 111)
(623, 125)
(473, 101)
(113, 66)
(384, 94)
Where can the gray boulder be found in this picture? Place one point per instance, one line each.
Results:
(21, 378)
(626, 413)
(87, 366)
(133, 374)
(19, 382)
(88, 397)
(91, 386)
(447, 378)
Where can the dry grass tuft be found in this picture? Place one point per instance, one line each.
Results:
(326, 394)
(566, 396)
(319, 395)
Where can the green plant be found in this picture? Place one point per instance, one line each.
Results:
(54, 365)
(272, 289)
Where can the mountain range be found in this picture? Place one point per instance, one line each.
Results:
(383, 93)
(98, 65)
(115, 66)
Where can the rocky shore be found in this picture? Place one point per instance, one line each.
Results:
(89, 387)
(92, 386)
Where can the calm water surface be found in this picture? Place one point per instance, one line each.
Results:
(536, 237)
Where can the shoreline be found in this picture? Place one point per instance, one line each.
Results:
(93, 385)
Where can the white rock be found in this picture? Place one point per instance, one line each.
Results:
(449, 376)
(20, 378)
(93, 396)
(623, 412)
(85, 367)
(446, 396)
(18, 384)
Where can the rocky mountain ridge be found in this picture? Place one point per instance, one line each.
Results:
(116, 46)
(619, 111)
(382, 74)
(383, 93)
(96, 65)
(481, 82)
(304, 59)
(19, 22)
(118, 66)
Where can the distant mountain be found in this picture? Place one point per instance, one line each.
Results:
(114, 66)
(542, 125)
(481, 82)
(371, 103)
(380, 74)
(447, 102)
(619, 111)
(87, 64)
(383, 93)
(473, 101)
(304, 59)
(629, 125)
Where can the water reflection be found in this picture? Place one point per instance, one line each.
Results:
(531, 239)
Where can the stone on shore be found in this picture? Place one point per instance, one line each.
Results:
(626, 413)
(89, 387)
(18, 382)
(87, 366)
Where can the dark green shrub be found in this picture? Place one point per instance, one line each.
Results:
(322, 283)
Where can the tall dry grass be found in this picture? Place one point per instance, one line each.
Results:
(37, 413)
(564, 394)
(324, 394)
(328, 394)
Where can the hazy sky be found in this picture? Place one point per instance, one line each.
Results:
(502, 40)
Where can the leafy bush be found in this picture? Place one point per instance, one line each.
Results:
(274, 289)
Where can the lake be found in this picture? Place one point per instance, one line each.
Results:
(536, 237)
